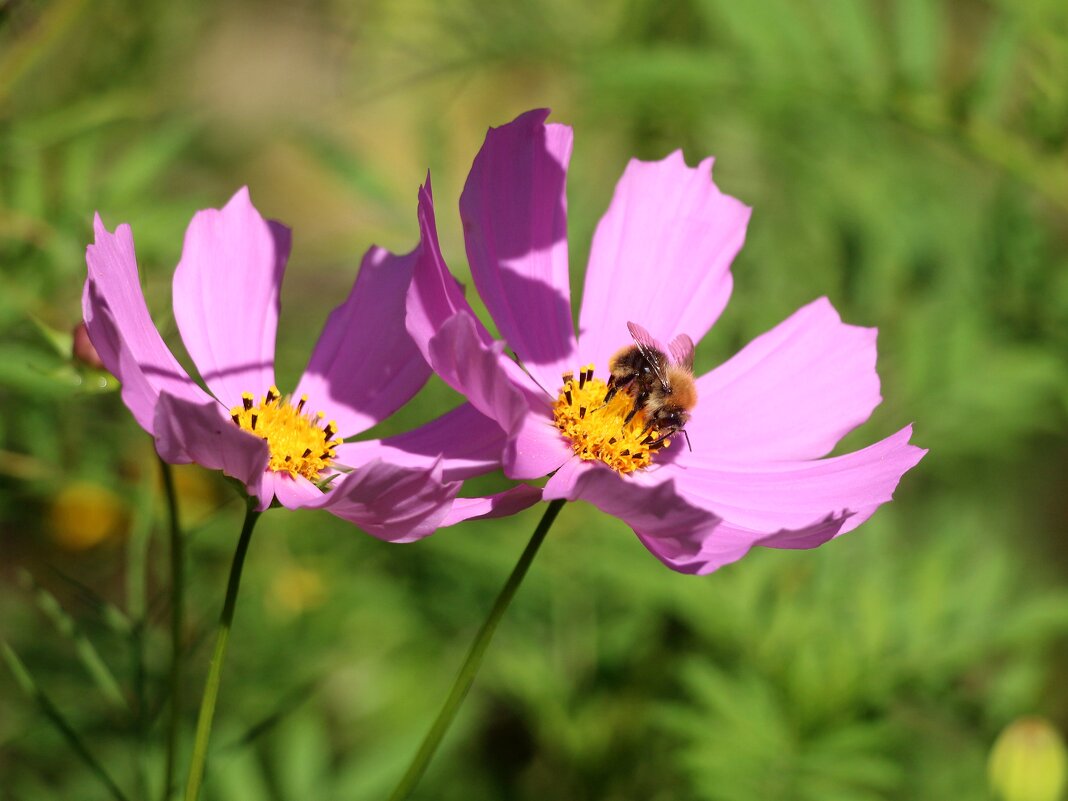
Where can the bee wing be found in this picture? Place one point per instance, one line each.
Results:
(652, 350)
(681, 350)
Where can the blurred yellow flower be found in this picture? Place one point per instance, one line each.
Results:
(84, 515)
(296, 589)
(199, 492)
(1028, 761)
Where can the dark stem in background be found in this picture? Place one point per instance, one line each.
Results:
(177, 618)
(466, 677)
(211, 685)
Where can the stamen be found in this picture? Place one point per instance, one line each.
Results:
(299, 443)
(612, 431)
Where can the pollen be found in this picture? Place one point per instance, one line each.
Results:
(596, 430)
(300, 443)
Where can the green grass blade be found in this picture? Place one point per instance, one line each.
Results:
(44, 703)
(84, 649)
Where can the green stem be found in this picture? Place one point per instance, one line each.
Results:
(466, 677)
(211, 686)
(177, 615)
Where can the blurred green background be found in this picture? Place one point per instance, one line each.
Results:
(908, 159)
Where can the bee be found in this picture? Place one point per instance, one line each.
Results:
(662, 386)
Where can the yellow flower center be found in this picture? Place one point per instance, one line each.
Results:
(597, 431)
(298, 441)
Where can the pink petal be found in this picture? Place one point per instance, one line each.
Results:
(187, 431)
(477, 372)
(434, 295)
(122, 331)
(661, 256)
(466, 442)
(226, 296)
(782, 504)
(393, 503)
(663, 519)
(514, 213)
(293, 492)
(791, 393)
(564, 483)
(502, 504)
(365, 364)
(536, 447)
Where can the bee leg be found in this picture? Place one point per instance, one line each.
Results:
(659, 441)
(639, 402)
(614, 386)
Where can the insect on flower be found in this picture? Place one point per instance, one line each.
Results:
(663, 388)
(757, 472)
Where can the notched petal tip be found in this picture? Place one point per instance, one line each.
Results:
(676, 217)
(242, 198)
(528, 119)
(226, 295)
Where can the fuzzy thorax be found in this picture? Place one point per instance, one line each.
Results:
(299, 443)
(596, 430)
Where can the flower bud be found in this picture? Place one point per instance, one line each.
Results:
(82, 349)
(1028, 761)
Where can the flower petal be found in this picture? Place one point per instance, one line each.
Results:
(477, 371)
(782, 504)
(660, 257)
(434, 295)
(454, 341)
(663, 519)
(226, 296)
(122, 331)
(365, 364)
(502, 504)
(393, 503)
(564, 483)
(791, 393)
(293, 492)
(467, 442)
(536, 447)
(187, 431)
(514, 213)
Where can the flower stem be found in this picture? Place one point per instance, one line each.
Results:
(466, 677)
(177, 614)
(211, 686)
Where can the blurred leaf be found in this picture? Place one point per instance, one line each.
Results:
(84, 649)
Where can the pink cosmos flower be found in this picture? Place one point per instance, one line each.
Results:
(661, 258)
(289, 448)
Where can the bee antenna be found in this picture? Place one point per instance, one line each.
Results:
(688, 445)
